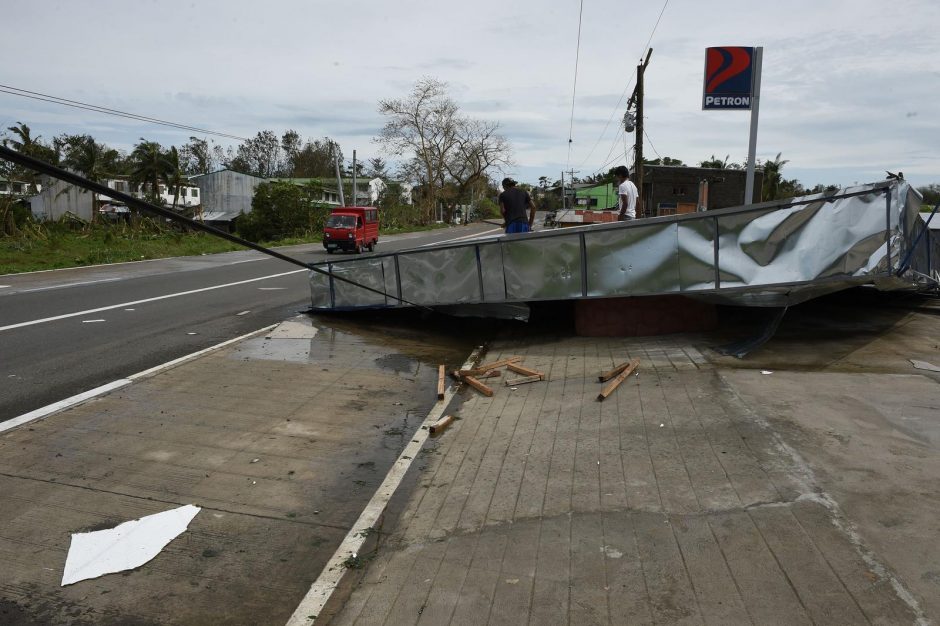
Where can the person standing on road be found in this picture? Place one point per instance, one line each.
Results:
(626, 194)
(513, 203)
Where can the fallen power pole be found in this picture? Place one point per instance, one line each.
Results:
(48, 169)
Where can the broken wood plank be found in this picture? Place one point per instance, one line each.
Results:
(603, 378)
(476, 384)
(440, 382)
(459, 374)
(622, 376)
(521, 381)
(437, 427)
(480, 369)
(525, 371)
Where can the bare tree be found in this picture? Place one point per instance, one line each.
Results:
(477, 149)
(425, 124)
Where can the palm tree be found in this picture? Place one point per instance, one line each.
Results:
(175, 176)
(773, 177)
(92, 160)
(150, 166)
(25, 143)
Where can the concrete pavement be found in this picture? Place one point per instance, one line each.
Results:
(704, 490)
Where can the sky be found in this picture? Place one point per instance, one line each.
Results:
(849, 88)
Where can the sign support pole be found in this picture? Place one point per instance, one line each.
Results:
(752, 144)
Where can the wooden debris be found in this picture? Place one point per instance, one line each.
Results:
(437, 427)
(521, 381)
(459, 374)
(603, 378)
(622, 376)
(480, 369)
(476, 384)
(525, 371)
(440, 382)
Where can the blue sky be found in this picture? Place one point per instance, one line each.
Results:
(849, 87)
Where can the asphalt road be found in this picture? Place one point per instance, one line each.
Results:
(55, 341)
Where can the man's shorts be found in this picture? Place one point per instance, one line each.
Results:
(517, 227)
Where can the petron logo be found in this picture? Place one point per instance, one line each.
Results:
(728, 78)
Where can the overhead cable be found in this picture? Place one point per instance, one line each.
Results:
(25, 93)
(629, 80)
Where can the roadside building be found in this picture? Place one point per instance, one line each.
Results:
(10, 187)
(57, 198)
(226, 193)
(671, 190)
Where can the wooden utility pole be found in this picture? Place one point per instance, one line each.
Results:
(637, 99)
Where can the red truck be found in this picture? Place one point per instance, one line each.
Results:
(351, 228)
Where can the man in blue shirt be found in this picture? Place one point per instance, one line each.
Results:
(513, 203)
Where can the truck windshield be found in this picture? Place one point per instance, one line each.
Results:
(341, 221)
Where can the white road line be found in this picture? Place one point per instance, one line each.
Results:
(323, 587)
(55, 407)
(92, 321)
(32, 416)
(125, 304)
(64, 285)
(435, 243)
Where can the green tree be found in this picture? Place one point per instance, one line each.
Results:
(773, 186)
(150, 167)
(281, 209)
(175, 176)
(931, 194)
(92, 160)
(23, 142)
(377, 168)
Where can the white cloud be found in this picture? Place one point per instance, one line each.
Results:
(848, 87)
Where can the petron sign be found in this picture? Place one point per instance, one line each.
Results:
(729, 78)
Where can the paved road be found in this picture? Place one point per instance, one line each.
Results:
(56, 341)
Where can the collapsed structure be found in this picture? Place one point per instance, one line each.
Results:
(770, 254)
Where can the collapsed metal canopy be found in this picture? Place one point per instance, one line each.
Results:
(770, 254)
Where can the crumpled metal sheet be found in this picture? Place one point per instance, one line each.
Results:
(770, 254)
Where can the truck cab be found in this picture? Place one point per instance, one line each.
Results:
(351, 228)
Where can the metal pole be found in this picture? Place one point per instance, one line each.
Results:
(562, 190)
(339, 180)
(752, 144)
(638, 166)
(355, 191)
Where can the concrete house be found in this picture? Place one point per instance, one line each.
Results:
(226, 193)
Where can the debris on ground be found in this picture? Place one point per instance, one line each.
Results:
(619, 378)
(126, 546)
(438, 427)
(924, 365)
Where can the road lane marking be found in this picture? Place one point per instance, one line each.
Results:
(435, 243)
(154, 299)
(32, 416)
(92, 321)
(323, 587)
(77, 399)
(64, 285)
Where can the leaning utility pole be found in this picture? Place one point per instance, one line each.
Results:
(637, 99)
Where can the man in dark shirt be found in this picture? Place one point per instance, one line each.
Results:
(513, 203)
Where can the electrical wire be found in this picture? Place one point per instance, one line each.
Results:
(574, 88)
(622, 95)
(655, 151)
(24, 93)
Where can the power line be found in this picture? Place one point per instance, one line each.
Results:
(617, 106)
(645, 134)
(574, 88)
(33, 95)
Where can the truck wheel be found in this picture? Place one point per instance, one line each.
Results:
(329, 250)
(372, 246)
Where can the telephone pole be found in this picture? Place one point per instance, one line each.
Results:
(637, 100)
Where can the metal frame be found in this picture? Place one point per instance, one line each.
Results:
(771, 291)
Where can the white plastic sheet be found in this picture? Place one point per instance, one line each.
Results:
(126, 546)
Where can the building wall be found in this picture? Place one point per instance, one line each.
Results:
(227, 191)
(58, 198)
(676, 185)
